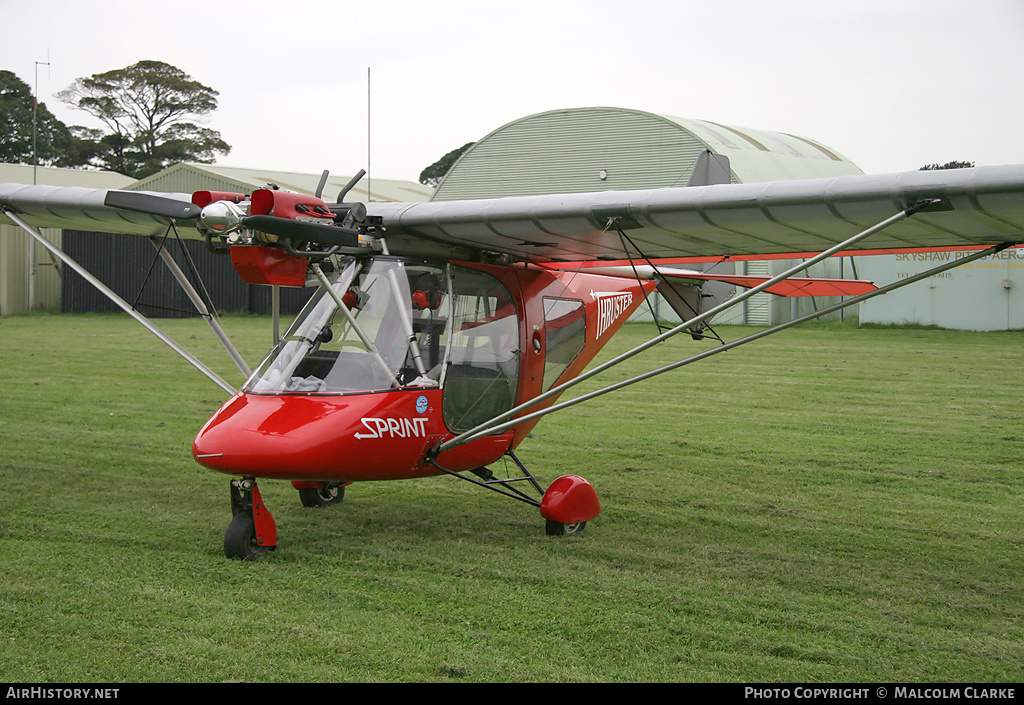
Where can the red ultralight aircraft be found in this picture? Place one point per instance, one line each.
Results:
(440, 333)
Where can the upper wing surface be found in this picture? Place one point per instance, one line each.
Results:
(978, 206)
(975, 207)
(74, 208)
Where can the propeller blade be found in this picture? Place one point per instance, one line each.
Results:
(327, 235)
(152, 204)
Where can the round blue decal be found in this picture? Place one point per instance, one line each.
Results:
(421, 405)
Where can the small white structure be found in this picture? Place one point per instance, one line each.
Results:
(984, 295)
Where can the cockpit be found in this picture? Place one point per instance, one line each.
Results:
(387, 323)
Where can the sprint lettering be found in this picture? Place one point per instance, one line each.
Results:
(393, 428)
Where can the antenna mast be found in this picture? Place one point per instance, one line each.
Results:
(368, 170)
(35, 163)
(35, 106)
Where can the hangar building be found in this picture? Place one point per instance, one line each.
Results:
(605, 148)
(597, 149)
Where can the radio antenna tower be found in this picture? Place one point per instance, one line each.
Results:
(35, 106)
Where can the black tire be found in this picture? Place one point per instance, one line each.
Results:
(557, 528)
(322, 496)
(240, 538)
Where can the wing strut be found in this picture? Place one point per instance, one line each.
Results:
(498, 428)
(367, 343)
(201, 307)
(121, 303)
(492, 426)
(698, 332)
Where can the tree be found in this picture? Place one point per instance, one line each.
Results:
(53, 138)
(150, 111)
(947, 165)
(432, 175)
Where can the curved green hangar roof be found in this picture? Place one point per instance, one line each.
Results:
(599, 149)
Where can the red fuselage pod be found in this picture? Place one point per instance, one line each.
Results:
(567, 318)
(332, 438)
(400, 355)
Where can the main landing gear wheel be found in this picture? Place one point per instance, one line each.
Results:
(240, 539)
(557, 528)
(568, 504)
(322, 496)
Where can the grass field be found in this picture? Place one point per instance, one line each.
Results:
(832, 504)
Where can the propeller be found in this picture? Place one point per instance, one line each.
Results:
(223, 215)
(152, 204)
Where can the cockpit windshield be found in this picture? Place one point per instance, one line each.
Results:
(385, 323)
(380, 325)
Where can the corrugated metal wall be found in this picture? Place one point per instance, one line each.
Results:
(28, 272)
(128, 264)
(758, 308)
(28, 276)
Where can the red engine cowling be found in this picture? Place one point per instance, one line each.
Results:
(285, 204)
(257, 264)
(205, 198)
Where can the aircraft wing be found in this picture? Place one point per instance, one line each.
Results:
(973, 207)
(73, 208)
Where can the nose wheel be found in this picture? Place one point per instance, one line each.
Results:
(252, 531)
(240, 539)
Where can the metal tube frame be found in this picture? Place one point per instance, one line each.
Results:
(275, 308)
(121, 303)
(414, 348)
(736, 343)
(492, 426)
(367, 343)
(201, 307)
(503, 487)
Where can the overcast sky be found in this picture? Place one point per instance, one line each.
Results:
(891, 84)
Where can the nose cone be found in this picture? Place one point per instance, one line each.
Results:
(371, 436)
(254, 435)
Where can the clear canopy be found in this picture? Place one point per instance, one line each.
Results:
(388, 323)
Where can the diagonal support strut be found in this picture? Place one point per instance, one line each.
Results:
(495, 426)
(121, 303)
